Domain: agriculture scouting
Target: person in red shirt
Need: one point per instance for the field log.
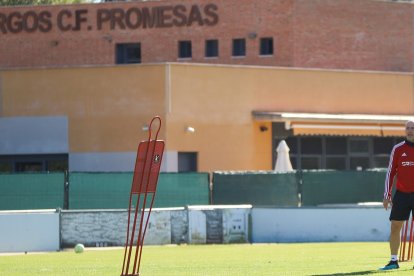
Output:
(401, 167)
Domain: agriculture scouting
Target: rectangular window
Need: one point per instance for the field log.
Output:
(359, 146)
(336, 163)
(336, 145)
(359, 163)
(211, 48)
(187, 161)
(29, 166)
(184, 49)
(128, 53)
(381, 161)
(383, 145)
(311, 145)
(239, 47)
(311, 163)
(6, 167)
(266, 46)
(34, 163)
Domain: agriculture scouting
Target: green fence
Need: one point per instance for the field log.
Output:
(335, 187)
(111, 190)
(31, 191)
(181, 189)
(99, 190)
(256, 188)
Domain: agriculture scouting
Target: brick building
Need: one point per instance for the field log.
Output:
(78, 83)
(341, 34)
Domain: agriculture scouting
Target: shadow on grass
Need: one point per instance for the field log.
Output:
(357, 273)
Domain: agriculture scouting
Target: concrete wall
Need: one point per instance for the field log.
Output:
(39, 231)
(320, 224)
(29, 231)
(109, 228)
(225, 224)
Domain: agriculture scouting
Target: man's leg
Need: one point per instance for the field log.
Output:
(395, 241)
(395, 236)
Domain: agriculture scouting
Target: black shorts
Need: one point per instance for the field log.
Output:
(402, 205)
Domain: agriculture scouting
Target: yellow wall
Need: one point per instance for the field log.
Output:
(218, 100)
(107, 106)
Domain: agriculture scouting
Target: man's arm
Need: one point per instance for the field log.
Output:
(389, 179)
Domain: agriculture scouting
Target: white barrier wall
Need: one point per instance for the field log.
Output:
(218, 224)
(320, 224)
(108, 227)
(28, 231)
(39, 230)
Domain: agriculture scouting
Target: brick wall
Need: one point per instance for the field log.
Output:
(343, 34)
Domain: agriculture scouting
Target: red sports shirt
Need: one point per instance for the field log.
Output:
(402, 166)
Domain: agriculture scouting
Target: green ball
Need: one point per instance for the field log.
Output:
(79, 248)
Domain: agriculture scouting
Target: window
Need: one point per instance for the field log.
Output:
(266, 46)
(6, 167)
(383, 145)
(336, 163)
(311, 145)
(359, 146)
(33, 163)
(184, 49)
(359, 163)
(336, 145)
(381, 161)
(336, 152)
(128, 53)
(382, 150)
(239, 47)
(211, 48)
(311, 163)
(187, 161)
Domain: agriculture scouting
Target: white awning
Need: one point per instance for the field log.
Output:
(338, 124)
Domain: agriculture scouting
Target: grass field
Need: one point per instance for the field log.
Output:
(241, 259)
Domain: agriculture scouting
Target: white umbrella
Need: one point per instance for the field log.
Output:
(283, 161)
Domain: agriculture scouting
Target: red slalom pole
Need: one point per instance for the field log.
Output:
(144, 186)
(410, 242)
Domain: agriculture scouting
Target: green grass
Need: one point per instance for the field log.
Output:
(242, 259)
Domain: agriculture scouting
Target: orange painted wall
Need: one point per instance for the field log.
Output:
(218, 100)
(107, 106)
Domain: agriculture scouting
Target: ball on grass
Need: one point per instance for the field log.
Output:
(79, 248)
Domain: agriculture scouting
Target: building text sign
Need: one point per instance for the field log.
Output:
(132, 18)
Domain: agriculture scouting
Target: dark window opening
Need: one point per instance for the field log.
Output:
(336, 163)
(359, 146)
(311, 162)
(187, 161)
(33, 163)
(383, 145)
(335, 152)
(311, 145)
(184, 49)
(266, 46)
(211, 48)
(239, 47)
(128, 53)
(336, 145)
